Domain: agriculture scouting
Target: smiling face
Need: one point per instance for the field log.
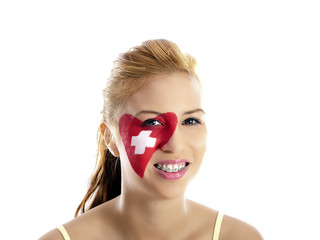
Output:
(161, 135)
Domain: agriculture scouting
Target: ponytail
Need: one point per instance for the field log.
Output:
(105, 183)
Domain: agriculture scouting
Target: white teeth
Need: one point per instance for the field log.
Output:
(171, 167)
(175, 168)
(181, 166)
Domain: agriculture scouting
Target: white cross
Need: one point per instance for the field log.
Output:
(142, 141)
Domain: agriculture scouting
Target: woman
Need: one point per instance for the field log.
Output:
(151, 143)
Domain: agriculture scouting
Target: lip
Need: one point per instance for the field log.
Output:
(172, 175)
(173, 161)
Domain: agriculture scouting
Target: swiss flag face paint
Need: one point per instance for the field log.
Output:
(141, 140)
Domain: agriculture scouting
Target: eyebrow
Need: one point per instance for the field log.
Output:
(158, 113)
(147, 112)
(194, 111)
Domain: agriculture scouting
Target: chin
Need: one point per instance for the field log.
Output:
(163, 189)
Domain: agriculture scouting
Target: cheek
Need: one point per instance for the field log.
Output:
(121, 148)
(140, 141)
(198, 142)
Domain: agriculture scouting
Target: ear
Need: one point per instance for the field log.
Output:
(109, 139)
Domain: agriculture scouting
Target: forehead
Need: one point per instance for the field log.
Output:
(177, 92)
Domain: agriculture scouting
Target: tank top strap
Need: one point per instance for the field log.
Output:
(217, 226)
(64, 232)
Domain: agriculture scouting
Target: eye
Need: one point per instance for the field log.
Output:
(151, 122)
(191, 121)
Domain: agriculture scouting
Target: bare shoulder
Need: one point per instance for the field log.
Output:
(52, 235)
(231, 228)
(200, 208)
(201, 220)
(203, 212)
(91, 225)
(236, 229)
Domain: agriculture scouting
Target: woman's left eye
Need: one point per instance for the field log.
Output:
(151, 122)
(191, 121)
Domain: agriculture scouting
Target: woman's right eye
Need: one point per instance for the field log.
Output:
(151, 122)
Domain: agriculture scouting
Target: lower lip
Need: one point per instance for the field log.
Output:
(172, 175)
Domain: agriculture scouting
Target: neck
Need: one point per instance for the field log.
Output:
(144, 215)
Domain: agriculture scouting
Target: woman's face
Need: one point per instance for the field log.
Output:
(161, 136)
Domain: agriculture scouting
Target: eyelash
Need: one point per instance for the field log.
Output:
(195, 121)
(151, 122)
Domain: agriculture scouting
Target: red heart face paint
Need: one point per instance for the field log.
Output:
(141, 140)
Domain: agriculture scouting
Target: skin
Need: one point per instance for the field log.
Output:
(153, 206)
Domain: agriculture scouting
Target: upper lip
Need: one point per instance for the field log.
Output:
(172, 161)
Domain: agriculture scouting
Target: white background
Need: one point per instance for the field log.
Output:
(258, 60)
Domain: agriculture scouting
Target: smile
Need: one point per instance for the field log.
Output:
(171, 169)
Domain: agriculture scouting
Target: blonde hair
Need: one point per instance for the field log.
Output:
(130, 72)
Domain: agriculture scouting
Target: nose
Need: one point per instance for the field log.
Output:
(175, 143)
